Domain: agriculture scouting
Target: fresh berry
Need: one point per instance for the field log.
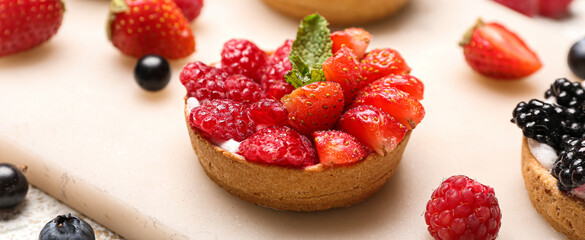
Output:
(343, 68)
(277, 66)
(315, 106)
(554, 8)
(141, 27)
(569, 168)
(567, 94)
(240, 56)
(526, 7)
(373, 127)
(338, 148)
(576, 58)
(548, 123)
(405, 82)
(268, 112)
(152, 72)
(67, 227)
(28, 23)
(398, 104)
(277, 90)
(494, 51)
(280, 146)
(281, 53)
(379, 63)
(242, 89)
(13, 186)
(221, 120)
(356, 39)
(204, 82)
(190, 8)
(462, 208)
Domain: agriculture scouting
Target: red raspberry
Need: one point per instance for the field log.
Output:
(222, 119)
(462, 208)
(203, 82)
(268, 112)
(275, 73)
(242, 89)
(278, 90)
(281, 146)
(281, 53)
(241, 56)
(190, 8)
(278, 66)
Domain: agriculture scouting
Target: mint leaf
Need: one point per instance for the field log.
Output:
(309, 51)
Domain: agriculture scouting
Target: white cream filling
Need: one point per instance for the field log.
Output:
(547, 156)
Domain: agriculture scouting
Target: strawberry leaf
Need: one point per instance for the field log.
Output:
(309, 51)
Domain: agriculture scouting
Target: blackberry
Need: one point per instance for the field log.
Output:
(569, 168)
(568, 94)
(548, 123)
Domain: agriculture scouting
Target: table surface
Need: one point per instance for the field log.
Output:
(94, 140)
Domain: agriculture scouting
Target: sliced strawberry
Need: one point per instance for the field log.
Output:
(338, 148)
(526, 7)
(343, 68)
(554, 8)
(396, 103)
(356, 39)
(379, 63)
(405, 82)
(315, 106)
(494, 51)
(373, 127)
(159, 27)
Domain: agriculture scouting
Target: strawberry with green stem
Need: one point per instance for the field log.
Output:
(494, 51)
(141, 27)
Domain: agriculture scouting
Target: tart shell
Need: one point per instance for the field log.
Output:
(311, 189)
(339, 12)
(565, 213)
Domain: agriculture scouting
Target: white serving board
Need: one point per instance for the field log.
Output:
(72, 112)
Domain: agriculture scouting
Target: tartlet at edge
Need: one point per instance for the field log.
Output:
(339, 12)
(314, 188)
(565, 213)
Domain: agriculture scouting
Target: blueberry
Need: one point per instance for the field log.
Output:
(576, 58)
(67, 227)
(152, 72)
(13, 186)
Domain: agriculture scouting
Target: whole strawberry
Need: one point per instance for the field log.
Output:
(140, 27)
(25, 24)
(494, 51)
(462, 208)
(313, 107)
(190, 8)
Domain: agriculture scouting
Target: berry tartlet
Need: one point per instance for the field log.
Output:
(317, 124)
(553, 155)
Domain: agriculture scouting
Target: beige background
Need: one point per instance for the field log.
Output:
(92, 138)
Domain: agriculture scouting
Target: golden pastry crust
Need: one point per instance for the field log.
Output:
(565, 213)
(339, 12)
(311, 189)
